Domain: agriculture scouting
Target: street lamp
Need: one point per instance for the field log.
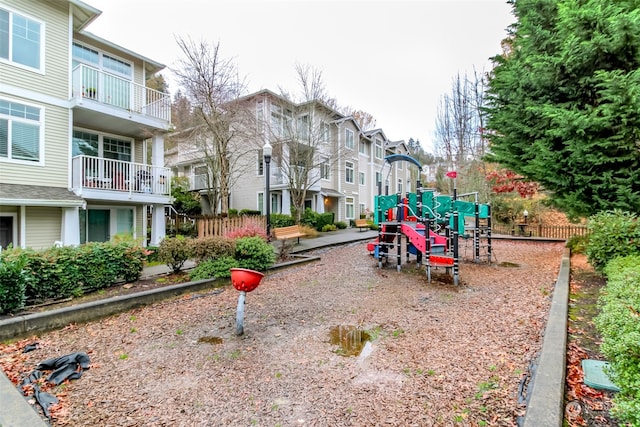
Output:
(526, 215)
(267, 150)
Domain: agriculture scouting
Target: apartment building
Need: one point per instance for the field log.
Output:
(314, 147)
(81, 136)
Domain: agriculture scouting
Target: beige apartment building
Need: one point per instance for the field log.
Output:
(81, 136)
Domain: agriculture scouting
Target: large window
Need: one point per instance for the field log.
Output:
(260, 162)
(348, 138)
(378, 148)
(97, 145)
(361, 178)
(20, 132)
(281, 121)
(325, 170)
(21, 39)
(303, 127)
(362, 147)
(326, 132)
(348, 173)
(350, 210)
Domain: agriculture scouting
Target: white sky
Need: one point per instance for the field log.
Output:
(392, 59)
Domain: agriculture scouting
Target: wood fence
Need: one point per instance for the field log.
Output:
(560, 232)
(208, 227)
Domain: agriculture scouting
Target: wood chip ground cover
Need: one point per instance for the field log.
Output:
(440, 356)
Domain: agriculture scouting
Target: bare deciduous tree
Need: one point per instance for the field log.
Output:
(213, 86)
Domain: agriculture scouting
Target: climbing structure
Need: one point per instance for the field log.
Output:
(407, 220)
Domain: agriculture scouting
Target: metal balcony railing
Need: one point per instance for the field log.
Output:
(91, 83)
(97, 173)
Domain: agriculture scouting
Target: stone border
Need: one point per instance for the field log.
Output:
(545, 405)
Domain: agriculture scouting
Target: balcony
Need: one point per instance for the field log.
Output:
(95, 177)
(129, 107)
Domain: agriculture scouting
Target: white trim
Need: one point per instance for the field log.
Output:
(41, 202)
(23, 227)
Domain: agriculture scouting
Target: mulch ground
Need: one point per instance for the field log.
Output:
(439, 355)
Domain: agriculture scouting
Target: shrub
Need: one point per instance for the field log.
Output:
(174, 252)
(281, 220)
(373, 226)
(254, 253)
(250, 212)
(152, 254)
(612, 234)
(309, 231)
(578, 244)
(341, 225)
(249, 230)
(13, 284)
(214, 268)
(211, 248)
(233, 213)
(328, 227)
(620, 329)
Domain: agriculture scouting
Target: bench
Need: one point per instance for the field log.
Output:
(362, 223)
(291, 232)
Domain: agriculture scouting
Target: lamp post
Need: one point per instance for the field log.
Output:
(267, 151)
(525, 214)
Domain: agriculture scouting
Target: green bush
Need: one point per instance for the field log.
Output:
(174, 252)
(211, 248)
(13, 284)
(618, 323)
(281, 220)
(233, 213)
(316, 220)
(612, 234)
(578, 244)
(329, 227)
(250, 212)
(341, 225)
(254, 253)
(214, 268)
(152, 254)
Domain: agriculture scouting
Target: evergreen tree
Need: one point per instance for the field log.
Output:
(565, 102)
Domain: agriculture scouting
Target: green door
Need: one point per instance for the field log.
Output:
(98, 225)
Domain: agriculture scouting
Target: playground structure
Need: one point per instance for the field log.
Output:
(447, 219)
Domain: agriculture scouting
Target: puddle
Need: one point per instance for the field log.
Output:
(508, 264)
(210, 340)
(350, 340)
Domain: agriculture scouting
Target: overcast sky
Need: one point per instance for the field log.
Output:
(392, 59)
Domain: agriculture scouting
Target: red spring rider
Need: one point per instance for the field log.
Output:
(244, 280)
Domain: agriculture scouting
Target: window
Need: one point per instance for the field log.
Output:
(280, 121)
(260, 162)
(303, 127)
(361, 178)
(20, 39)
(349, 208)
(325, 132)
(348, 138)
(325, 170)
(362, 147)
(378, 148)
(260, 116)
(116, 149)
(97, 145)
(261, 206)
(362, 209)
(20, 132)
(348, 173)
(378, 177)
(400, 186)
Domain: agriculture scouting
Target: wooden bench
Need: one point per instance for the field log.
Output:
(362, 223)
(291, 232)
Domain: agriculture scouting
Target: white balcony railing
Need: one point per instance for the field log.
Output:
(91, 83)
(97, 173)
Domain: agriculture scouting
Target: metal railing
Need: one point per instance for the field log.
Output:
(117, 175)
(91, 83)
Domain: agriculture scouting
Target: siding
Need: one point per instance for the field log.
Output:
(43, 226)
(55, 81)
(55, 171)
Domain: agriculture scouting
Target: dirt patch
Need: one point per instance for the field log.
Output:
(439, 354)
